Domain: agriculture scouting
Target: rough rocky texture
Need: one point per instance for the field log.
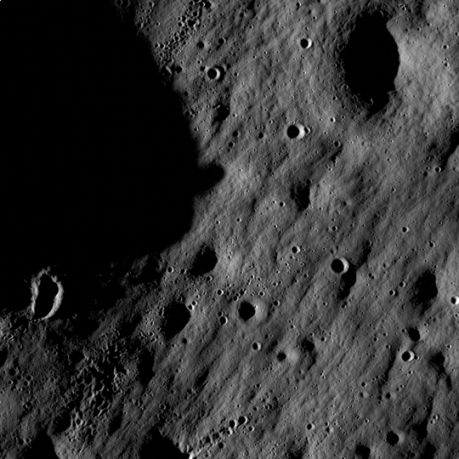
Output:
(231, 229)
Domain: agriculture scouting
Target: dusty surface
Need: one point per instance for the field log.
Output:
(232, 230)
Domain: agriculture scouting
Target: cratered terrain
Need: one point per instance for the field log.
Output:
(230, 229)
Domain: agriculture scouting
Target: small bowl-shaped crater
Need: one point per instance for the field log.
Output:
(339, 265)
(214, 73)
(295, 131)
(392, 438)
(407, 356)
(306, 43)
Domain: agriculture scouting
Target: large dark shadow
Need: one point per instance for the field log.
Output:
(371, 61)
(98, 164)
(155, 446)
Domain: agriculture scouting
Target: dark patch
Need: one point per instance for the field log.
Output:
(420, 429)
(363, 255)
(309, 354)
(391, 359)
(145, 367)
(295, 453)
(281, 356)
(124, 5)
(127, 326)
(221, 113)
(362, 452)
(347, 281)
(437, 361)
(413, 334)
(425, 290)
(155, 446)
(453, 144)
(3, 356)
(82, 327)
(60, 423)
(42, 446)
(251, 5)
(75, 357)
(212, 73)
(115, 422)
(246, 310)
(337, 266)
(47, 291)
(169, 380)
(204, 262)
(406, 356)
(300, 195)
(271, 345)
(176, 317)
(307, 346)
(392, 438)
(304, 43)
(201, 379)
(293, 131)
(108, 171)
(445, 147)
(428, 451)
(208, 177)
(146, 270)
(371, 61)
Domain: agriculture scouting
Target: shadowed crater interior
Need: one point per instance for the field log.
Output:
(246, 311)
(155, 446)
(299, 193)
(176, 317)
(371, 61)
(424, 291)
(362, 452)
(98, 162)
(204, 262)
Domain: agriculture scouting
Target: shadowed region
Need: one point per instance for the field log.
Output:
(425, 287)
(424, 291)
(428, 452)
(246, 311)
(204, 262)
(371, 61)
(156, 446)
(42, 446)
(176, 317)
(362, 452)
(300, 194)
(347, 281)
(145, 367)
(98, 162)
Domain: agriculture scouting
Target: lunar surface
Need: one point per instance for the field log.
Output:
(231, 229)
